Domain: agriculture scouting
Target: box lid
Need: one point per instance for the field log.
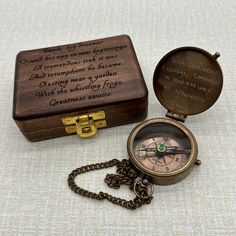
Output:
(70, 78)
(188, 81)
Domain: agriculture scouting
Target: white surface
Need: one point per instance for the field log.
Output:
(34, 196)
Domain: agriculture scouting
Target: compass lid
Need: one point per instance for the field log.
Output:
(188, 80)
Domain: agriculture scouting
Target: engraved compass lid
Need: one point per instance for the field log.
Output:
(188, 81)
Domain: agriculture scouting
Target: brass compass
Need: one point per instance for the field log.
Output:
(163, 151)
(186, 81)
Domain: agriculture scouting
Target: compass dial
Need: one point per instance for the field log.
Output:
(162, 149)
(162, 154)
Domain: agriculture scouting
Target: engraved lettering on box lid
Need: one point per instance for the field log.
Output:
(77, 76)
(188, 81)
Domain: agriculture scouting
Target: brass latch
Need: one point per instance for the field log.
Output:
(85, 125)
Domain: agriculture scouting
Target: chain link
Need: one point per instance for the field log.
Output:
(126, 175)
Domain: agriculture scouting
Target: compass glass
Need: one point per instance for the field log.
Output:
(162, 148)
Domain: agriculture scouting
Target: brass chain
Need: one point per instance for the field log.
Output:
(126, 175)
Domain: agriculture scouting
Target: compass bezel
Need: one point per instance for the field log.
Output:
(161, 177)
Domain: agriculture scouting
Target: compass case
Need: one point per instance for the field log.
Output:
(187, 81)
(78, 88)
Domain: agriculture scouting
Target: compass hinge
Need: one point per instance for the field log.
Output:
(175, 116)
(85, 125)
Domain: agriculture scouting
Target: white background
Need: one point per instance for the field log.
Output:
(34, 196)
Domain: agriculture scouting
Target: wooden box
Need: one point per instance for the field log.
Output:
(78, 88)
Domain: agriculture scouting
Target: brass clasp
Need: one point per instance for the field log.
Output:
(85, 125)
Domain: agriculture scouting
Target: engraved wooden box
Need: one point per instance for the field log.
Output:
(78, 88)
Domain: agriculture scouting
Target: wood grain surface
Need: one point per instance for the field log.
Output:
(73, 79)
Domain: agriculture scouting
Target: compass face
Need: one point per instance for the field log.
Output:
(162, 148)
(162, 153)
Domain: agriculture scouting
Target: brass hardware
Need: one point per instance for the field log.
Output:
(175, 116)
(216, 55)
(85, 125)
(125, 174)
(162, 178)
(198, 162)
